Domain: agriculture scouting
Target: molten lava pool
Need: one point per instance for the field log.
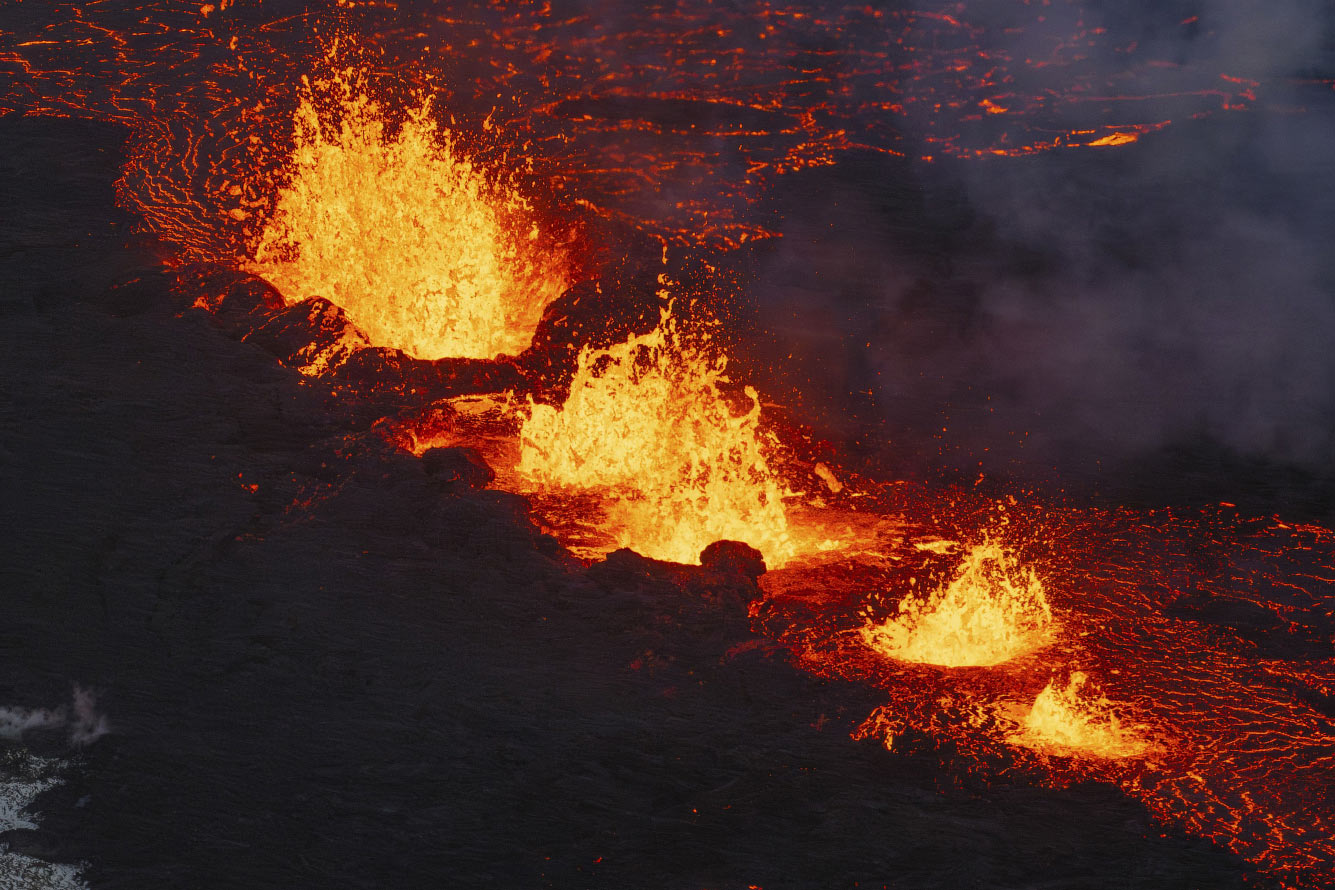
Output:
(1188, 662)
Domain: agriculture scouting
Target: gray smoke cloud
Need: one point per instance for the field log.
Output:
(1191, 287)
(1094, 305)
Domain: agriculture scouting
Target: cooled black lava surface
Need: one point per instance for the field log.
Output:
(322, 670)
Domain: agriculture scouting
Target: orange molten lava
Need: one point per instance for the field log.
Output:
(1120, 137)
(990, 612)
(648, 423)
(422, 249)
(1078, 719)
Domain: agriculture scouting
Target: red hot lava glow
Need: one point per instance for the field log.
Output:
(1184, 659)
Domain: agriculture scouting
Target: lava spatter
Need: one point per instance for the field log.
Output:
(424, 250)
(1075, 718)
(686, 142)
(1203, 682)
(992, 610)
(648, 423)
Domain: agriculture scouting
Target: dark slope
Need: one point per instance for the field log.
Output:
(354, 675)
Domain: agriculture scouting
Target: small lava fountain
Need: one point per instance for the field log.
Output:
(1080, 720)
(991, 611)
(653, 424)
(424, 250)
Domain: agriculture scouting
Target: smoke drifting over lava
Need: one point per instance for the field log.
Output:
(1102, 305)
(1019, 236)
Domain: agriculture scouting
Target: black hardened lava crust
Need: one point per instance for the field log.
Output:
(324, 667)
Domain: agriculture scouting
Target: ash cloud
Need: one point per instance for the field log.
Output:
(1091, 307)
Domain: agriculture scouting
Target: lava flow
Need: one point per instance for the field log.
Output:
(1209, 637)
(680, 117)
(680, 457)
(424, 251)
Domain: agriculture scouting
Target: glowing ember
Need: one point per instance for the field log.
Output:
(992, 611)
(648, 422)
(422, 249)
(1077, 718)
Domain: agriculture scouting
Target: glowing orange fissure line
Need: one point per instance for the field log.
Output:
(715, 481)
(73, 102)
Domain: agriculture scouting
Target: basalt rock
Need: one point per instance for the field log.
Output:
(314, 331)
(720, 592)
(733, 558)
(382, 371)
(414, 430)
(627, 570)
(316, 336)
(138, 294)
(458, 467)
(238, 301)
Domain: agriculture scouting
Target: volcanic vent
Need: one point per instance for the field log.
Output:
(649, 424)
(425, 250)
(1181, 659)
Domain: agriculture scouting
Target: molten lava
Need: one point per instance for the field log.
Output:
(1077, 719)
(423, 249)
(649, 422)
(682, 120)
(990, 612)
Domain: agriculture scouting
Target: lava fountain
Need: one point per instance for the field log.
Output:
(425, 251)
(1077, 718)
(654, 425)
(991, 611)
